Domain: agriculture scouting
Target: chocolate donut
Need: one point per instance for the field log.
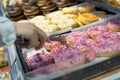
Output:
(14, 10)
(21, 17)
(32, 11)
(41, 3)
(29, 3)
(50, 7)
(62, 3)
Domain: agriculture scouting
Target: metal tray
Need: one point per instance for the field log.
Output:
(86, 71)
(70, 29)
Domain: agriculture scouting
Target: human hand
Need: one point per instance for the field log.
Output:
(30, 32)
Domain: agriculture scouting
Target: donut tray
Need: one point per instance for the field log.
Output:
(103, 22)
(71, 29)
(82, 72)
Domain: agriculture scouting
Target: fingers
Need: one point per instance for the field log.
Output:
(34, 40)
(42, 35)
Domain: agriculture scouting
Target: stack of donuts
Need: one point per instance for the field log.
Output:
(31, 8)
(15, 12)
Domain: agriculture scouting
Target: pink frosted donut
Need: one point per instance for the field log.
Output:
(105, 35)
(116, 47)
(68, 57)
(81, 47)
(46, 71)
(102, 28)
(114, 25)
(92, 31)
(115, 36)
(96, 30)
(51, 45)
(38, 60)
(74, 36)
(90, 56)
(103, 50)
(110, 51)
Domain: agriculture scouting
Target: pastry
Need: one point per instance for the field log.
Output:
(54, 14)
(94, 31)
(41, 3)
(72, 23)
(115, 2)
(38, 60)
(37, 18)
(49, 7)
(63, 26)
(48, 28)
(49, 46)
(72, 57)
(15, 12)
(87, 18)
(108, 52)
(73, 37)
(79, 22)
(29, 3)
(114, 25)
(71, 16)
(51, 69)
(91, 56)
(70, 10)
(32, 11)
(62, 3)
(87, 7)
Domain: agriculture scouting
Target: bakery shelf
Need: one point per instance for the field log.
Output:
(87, 71)
(19, 70)
(84, 72)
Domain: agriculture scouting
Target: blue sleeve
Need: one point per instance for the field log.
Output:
(7, 31)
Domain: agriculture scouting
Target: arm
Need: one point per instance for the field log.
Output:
(7, 31)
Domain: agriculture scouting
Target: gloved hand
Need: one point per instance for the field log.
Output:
(7, 31)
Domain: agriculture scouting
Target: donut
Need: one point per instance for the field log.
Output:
(87, 18)
(50, 7)
(84, 8)
(94, 31)
(14, 10)
(32, 11)
(114, 25)
(73, 37)
(49, 46)
(38, 60)
(67, 57)
(63, 3)
(37, 18)
(107, 52)
(41, 3)
(70, 10)
(29, 3)
(17, 18)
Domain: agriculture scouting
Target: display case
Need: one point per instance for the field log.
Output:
(19, 69)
